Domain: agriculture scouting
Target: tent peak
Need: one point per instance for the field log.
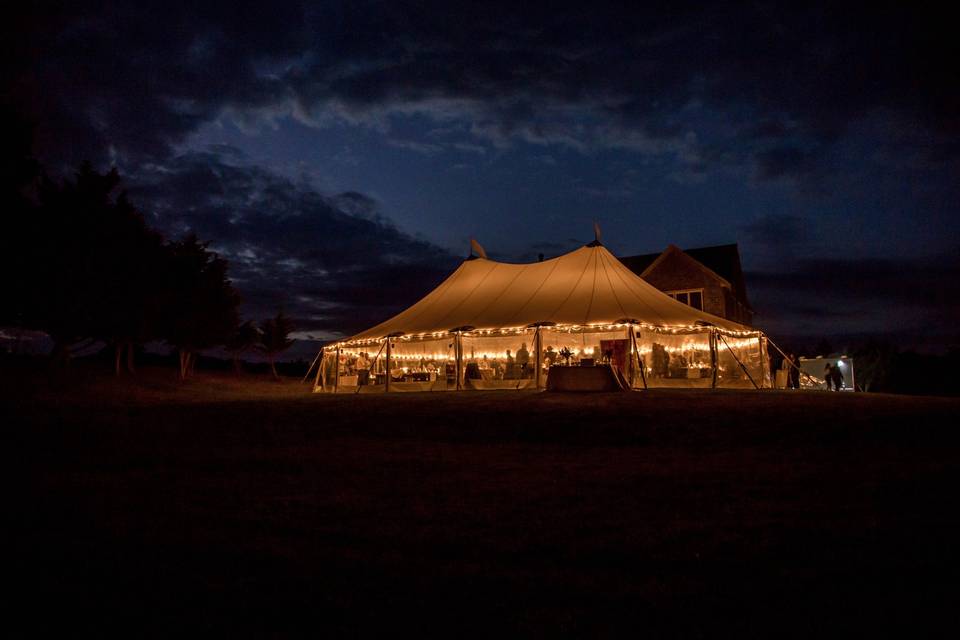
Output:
(596, 236)
(476, 250)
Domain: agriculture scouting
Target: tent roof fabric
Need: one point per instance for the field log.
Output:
(584, 287)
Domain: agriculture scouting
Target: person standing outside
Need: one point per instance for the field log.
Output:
(837, 377)
(786, 366)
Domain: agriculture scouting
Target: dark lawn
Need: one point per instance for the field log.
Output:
(254, 508)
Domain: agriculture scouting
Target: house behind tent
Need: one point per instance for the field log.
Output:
(707, 278)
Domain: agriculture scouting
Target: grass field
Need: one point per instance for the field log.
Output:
(251, 508)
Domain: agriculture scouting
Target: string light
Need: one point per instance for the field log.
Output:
(748, 335)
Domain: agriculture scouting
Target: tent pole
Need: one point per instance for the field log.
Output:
(765, 362)
(310, 368)
(630, 368)
(802, 372)
(373, 366)
(458, 354)
(714, 360)
(742, 366)
(316, 382)
(389, 374)
(336, 376)
(538, 345)
(640, 363)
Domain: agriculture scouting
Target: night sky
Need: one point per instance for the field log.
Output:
(341, 155)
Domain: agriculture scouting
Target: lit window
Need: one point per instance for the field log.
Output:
(690, 297)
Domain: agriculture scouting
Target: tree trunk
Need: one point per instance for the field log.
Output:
(117, 356)
(273, 369)
(184, 363)
(130, 357)
(236, 364)
(60, 356)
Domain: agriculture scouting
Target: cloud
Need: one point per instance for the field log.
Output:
(785, 161)
(776, 230)
(825, 95)
(424, 148)
(771, 87)
(776, 239)
(916, 298)
(331, 261)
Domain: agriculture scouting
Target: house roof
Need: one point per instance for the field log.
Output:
(724, 260)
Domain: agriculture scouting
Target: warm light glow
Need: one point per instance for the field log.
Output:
(736, 339)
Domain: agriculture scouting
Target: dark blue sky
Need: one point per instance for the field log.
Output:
(342, 154)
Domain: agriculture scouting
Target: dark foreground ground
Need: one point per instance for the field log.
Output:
(255, 509)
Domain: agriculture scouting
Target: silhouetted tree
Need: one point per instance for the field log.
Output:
(83, 266)
(824, 348)
(19, 177)
(200, 303)
(874, 363)
(95, 269)
(275, 339)
(246, 337)
(129, 285)
(72, 262)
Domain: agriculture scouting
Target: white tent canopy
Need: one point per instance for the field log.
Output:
(499, 325)
(584, 287)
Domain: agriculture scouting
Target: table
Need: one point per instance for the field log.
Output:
(596, 378)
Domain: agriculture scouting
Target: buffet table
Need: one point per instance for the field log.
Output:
(596, 378)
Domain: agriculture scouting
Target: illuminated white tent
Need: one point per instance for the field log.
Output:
(498, 325)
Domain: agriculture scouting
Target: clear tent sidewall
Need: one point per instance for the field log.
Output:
(520, 358)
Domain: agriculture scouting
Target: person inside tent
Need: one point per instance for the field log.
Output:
(549, 357)
(523, 360)
(363, 369)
